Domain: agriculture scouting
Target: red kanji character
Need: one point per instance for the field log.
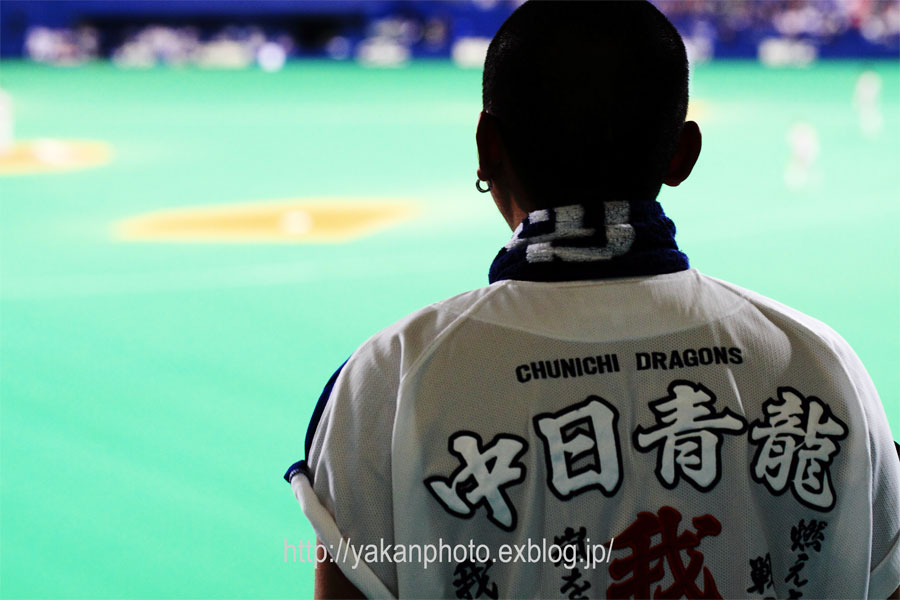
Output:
(646, 564)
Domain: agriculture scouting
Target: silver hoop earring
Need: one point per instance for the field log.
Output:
(479, 188)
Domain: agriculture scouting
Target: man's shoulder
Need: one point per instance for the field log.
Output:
(787, 318)
(404, 342)
(408, 338)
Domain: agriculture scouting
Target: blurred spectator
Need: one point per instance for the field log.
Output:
(61, 46)
(388, 33)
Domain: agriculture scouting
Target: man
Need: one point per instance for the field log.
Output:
(602, 420)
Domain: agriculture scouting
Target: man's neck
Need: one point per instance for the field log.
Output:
(599, 240)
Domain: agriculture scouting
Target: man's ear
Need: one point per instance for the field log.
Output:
(685, 155)
(490, 151)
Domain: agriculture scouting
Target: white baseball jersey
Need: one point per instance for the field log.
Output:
(666, 436)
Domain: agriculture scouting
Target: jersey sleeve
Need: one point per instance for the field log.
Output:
(885, 493)
(345, 485)
(885, 577)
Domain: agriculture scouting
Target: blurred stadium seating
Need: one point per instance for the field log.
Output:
(388, 32)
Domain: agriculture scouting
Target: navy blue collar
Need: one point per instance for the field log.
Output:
(601, 240)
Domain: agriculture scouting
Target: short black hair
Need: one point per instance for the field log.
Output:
(590, 97)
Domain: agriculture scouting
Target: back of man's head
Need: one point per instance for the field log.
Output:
(590, 97)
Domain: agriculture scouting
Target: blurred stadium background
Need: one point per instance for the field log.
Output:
(207, 205)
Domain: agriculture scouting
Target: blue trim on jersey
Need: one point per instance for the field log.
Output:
(301, 466)
(298, 467)
(320, 408)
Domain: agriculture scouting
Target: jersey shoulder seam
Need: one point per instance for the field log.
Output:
(443, 332)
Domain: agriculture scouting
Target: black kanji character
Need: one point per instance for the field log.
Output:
(810, 535)
(571, 582)
(760, 574)
(794, 573)
(570, 537)
(469, 575)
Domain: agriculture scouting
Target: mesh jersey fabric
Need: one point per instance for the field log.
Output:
(725, 444)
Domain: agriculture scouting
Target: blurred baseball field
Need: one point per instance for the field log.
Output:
(187, 255)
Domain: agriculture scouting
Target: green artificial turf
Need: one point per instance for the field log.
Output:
(153, 393)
